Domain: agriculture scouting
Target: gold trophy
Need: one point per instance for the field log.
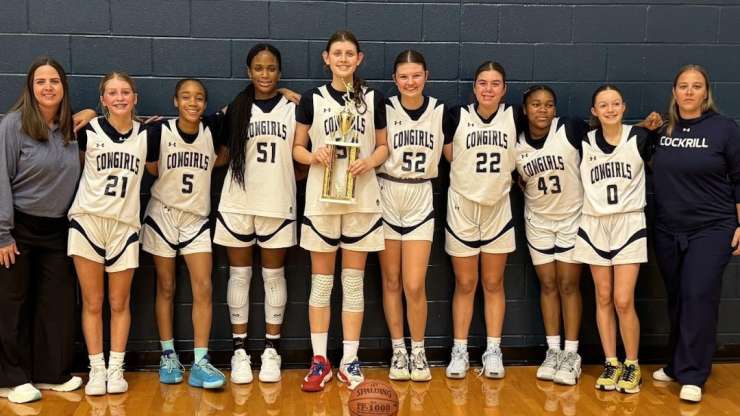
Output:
(339, 184)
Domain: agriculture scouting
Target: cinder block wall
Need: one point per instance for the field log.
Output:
(572, 45)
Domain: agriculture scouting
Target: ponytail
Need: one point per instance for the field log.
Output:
(238, 116)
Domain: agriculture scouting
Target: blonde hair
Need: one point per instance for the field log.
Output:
(707, 105)
(120, 76)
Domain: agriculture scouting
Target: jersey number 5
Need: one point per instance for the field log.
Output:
(112, 185)
(187, 183)
(487, 162)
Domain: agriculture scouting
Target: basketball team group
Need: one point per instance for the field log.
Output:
(70, 188)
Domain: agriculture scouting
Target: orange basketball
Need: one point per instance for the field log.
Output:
(373, 398)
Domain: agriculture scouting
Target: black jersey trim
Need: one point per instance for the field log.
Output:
(551, 250)
(406, 230)
(157, 229)
(77, 226)
(205, 227)
(263, 238)
(131, 240)
(351, 240)
(175, 246)
(480, 243)
(241, 237)
(328, 240)
(608, 255)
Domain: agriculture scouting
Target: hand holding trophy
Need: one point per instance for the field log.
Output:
(339, 183)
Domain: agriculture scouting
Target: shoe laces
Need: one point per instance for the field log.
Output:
(317, 368)
(419, 360)
(552, 358)
(459, 355)
(609, 370)
(242, 356)
(208, 368)
(630, 373)
(269, 354)
(170, 362)
(97, 371)
(568, 361)
(353, 368)
(489, 359)
(115, 371)
(399, 360)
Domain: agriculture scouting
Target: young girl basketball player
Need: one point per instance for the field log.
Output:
(415, 140)
(548, 159)
(258, 205)
(356, 228)
(104, 223)
(612, 234)
(479, 226)
(176, 220)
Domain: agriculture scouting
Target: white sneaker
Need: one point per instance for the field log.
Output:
(690, 393)
(459, 363)
(569, 370)
(549, 367)
(72, 384)
(270, 370)
(241, 367)
(23, 393)
(350, 373)
(96, 382)
(116, 382)
(493, 365)
(420, 366)
(660, 375)
(399, 370)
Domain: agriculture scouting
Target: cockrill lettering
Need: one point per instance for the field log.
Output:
(684, 142)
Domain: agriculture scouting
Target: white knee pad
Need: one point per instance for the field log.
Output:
(237, 294)
(321, 285)
(276, 295)
(353, 299)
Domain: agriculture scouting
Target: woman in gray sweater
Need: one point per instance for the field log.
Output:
(39, 168)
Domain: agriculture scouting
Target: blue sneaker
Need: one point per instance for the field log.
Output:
(170, 369)
(204, 374)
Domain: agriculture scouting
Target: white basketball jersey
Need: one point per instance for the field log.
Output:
(269, 179)
(415, 146)
(551, 173)
(483, 155)
(325, 123)
(184, 180)
(111, 177)
(613, 182)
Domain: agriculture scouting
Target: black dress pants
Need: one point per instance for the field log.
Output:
(37, 305)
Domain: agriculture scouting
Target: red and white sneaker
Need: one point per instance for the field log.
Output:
(318, 375)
